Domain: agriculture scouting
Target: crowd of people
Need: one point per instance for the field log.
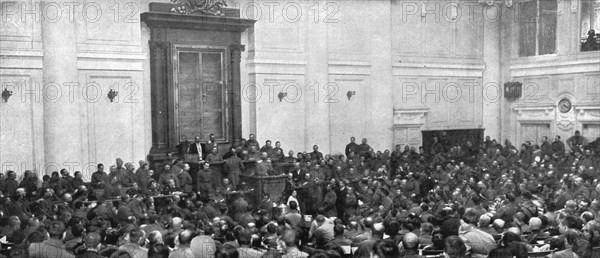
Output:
(444, 199)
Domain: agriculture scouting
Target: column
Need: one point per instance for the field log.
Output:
(492, 83)
(317, 76)
(62, 127)
(381, 134)
(236, 55)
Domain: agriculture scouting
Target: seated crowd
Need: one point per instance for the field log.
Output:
(447, 199)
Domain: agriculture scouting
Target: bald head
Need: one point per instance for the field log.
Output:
(535, 223)
(498, 225)
(484, 221)
(176, 222)
(92, 240)
(368, 222)
(185, 237)
(410, 241)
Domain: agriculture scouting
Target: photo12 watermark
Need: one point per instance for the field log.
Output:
(71, 92)
(25, 12)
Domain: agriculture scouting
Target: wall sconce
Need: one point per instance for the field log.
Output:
(281, 95)
(112, 94)
(453, 11)
(6, 94)
(507, 3)
(350, 94)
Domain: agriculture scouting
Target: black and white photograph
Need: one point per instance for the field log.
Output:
(300, 128)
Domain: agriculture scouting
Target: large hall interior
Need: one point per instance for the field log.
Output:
(302, 128)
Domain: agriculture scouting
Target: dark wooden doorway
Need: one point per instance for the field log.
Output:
(200, 94)
(195, 77)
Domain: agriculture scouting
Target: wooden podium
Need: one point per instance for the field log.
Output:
(263, 185)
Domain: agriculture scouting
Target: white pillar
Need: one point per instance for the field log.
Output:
(381, 103)
(62, 127)
(317, 76)
(492, 83)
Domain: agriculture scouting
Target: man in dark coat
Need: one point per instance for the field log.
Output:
(204, 181)
(329, 202)
(184, 146)
(340, 202)
(352, 146)
(234, 167)
(558, 147)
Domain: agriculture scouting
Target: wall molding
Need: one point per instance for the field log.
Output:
(587, 113)
(93, 143)
(439, 69)
(267, 66)
(532, 114)
(550, 65)
(349, 68)
(111, 61)
(408, 123)
(413, 117)
(21, 59)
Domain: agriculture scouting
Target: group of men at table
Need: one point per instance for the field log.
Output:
(176, 175)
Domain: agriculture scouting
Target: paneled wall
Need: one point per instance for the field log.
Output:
(368, 50)
(438, 67)
(21, 118)
(106, 50)
(381, 70)
(317, 52)
(547, 79)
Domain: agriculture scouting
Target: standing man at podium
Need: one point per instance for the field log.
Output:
(214, 156)
(234, 167)
(196, 148)
(263, 166)
(184, 146)
(252, 142)
(210, 145)
(204, 181)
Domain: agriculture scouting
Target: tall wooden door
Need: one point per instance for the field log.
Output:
(534, 132)
(591, 131)
(200, 92)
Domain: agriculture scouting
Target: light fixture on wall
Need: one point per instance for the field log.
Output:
(507, 3)
(112, 94)
(513, 90)
(350, 94)
(6, 94)
(453, 11)
(281, 95)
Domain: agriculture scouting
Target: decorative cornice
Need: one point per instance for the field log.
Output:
(586, 107)
(523, 109)
(584, 110)
(410, 117)
(196, 22)
(210, 7)
(548, 65)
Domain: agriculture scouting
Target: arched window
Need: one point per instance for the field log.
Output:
(590, 25)
(537, 27)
